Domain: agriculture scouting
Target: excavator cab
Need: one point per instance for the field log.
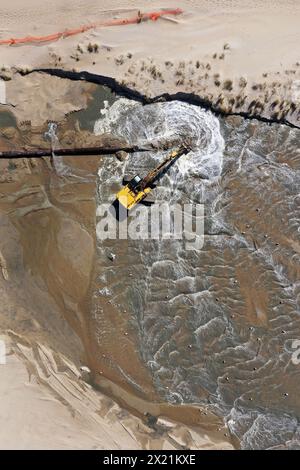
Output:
(135, 183)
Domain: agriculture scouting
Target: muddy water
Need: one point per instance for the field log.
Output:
(215, 325)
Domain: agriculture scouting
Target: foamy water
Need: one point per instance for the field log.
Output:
(169, 124)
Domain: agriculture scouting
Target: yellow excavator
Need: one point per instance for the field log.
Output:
(139, 188)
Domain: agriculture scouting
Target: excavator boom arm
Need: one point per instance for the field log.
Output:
(152, 175)
(135, 191)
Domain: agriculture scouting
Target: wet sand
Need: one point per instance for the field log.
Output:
(48, 262)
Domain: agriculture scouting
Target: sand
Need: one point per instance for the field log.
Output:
(47, 401)
(45, 404)
(47, 256)
(241, 57)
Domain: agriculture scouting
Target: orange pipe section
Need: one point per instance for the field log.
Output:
(155, 15)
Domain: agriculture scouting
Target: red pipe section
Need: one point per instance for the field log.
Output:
(141, 17)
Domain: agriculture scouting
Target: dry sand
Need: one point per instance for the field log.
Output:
(45, 404)
(241, 56)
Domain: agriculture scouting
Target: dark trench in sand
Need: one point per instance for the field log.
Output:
(190, 98)
(212, 327)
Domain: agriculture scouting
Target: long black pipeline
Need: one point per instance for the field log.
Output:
(39, 153)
